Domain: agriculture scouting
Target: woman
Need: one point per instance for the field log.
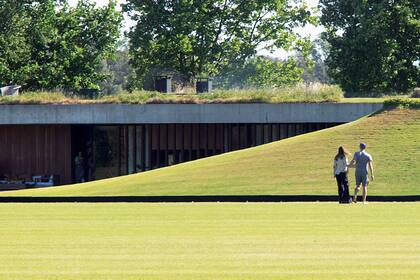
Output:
(341, 167)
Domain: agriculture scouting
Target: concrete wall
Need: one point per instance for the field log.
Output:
(185, 113)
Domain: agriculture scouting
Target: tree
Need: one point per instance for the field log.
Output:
(48, 44)
(202, 38)
(315, 70)
(14, 48)
(262, 72)
(117, 71)
(374, 44)
(87, 36)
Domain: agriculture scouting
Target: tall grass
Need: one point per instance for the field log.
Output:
(42, 97)
(299, 93)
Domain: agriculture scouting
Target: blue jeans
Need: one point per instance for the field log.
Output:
(343, 187)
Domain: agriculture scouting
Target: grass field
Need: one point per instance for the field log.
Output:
(298, 165)
(210, 241)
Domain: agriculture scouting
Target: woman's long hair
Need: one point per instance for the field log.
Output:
(342, 153)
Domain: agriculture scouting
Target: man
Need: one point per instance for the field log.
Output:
(79, 168)
(363, 163)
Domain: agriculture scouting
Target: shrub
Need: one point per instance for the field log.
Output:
(402, 103)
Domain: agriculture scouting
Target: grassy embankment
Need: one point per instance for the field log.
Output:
(210, 241)
(298, 165)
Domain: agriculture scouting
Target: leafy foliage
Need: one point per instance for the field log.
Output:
(15, 50)
(201, 38)
(315, 70)
(117, 71)
(48, 44)
(374, 44)
(403, 103)
(262, 72)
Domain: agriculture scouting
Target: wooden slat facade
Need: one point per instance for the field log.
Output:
(27, 150)
(151, 146)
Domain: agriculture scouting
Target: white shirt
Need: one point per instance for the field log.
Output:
(340, 165)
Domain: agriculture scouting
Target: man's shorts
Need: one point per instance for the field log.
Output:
(362, 179)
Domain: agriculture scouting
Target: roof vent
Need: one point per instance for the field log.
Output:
(12, 90)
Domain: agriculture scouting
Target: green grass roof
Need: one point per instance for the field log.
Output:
(300, 165)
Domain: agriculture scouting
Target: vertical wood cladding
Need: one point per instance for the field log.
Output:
(167, 144)
(28, 150)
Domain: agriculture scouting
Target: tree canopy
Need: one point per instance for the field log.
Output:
(374, 44)
(48, 44)
(262, 72)
(202, 38)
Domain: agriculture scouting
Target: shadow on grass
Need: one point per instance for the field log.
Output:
(209, 198)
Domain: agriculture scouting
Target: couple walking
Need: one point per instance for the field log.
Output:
(363, 162)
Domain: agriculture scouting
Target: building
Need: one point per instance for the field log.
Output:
(121, 139)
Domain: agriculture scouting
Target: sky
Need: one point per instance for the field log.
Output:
(308, 30)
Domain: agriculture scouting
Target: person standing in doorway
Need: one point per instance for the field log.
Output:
(363, 163)
(90, 163)
(79, 168)
(340, 173)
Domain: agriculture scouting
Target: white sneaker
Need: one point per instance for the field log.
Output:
(365, 202)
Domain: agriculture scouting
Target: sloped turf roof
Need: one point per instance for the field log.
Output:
(300, 165)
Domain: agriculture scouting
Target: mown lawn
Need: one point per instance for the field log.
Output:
(299, 165)
(210, 241)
